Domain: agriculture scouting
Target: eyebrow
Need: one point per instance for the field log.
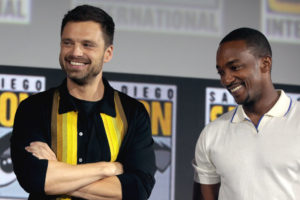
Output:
(229, 63)
(89, 41)
(65, 39)
(83, 41)
(232, 62)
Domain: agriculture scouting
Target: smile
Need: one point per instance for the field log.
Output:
(76, 63)
(235, 89)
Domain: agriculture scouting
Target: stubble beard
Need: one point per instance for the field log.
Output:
(85, 78)
(81, 79)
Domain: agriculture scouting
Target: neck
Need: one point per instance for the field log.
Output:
(91, 91)
(257, 109)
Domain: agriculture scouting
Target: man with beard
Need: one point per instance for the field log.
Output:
(83, 139)
(251, 152)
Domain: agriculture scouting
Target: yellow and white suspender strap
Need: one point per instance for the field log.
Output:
(64, 136)
(64, 131)
(115, 127)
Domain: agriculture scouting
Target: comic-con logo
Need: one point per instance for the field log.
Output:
(13, 90)
(218, 102)
(160, 102)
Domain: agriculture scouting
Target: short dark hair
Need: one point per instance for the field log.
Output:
(255, 40)
(91, 13)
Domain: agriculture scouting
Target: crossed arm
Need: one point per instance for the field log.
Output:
(89, 181)
(39, 172)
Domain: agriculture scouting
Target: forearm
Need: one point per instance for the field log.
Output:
(62, 178)
(105, 189)
(207, 192)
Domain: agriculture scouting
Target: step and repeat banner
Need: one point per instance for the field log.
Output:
(178, 107)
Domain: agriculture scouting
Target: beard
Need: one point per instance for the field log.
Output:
(80, 81)
(81, 77)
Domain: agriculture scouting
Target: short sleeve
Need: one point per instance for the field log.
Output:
(204, 169)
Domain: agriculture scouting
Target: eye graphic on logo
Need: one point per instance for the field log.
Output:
(163, 156)
(6, 168)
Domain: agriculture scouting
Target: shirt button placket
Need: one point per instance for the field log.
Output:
(80, 160)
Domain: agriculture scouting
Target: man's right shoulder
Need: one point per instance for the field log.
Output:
(224, 118)
(40, 98)
(218, 125)
(215, 130)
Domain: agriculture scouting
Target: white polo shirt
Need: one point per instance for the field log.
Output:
(252, 163)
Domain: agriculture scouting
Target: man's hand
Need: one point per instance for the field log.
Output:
(41, 150)
(117, 168)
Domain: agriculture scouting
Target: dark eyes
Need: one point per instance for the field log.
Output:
(234, 68)
(70, 43)
(89, 45)
(66, 42)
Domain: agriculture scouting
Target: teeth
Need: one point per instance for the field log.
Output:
(236, 88)
(76, 63)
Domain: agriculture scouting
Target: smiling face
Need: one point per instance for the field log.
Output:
(241, 72)
(83, 51)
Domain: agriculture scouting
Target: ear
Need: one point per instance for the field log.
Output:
(108, 54)
(266, 64)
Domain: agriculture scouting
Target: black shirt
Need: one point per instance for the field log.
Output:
(33, 123)
(91, 140)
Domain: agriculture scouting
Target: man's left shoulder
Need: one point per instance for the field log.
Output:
(126, 98)
(129, 102)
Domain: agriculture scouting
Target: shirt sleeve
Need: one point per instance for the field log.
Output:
(29, 170)
(204, 169)
(138, 158)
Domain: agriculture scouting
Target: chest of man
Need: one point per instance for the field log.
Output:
(259, 162)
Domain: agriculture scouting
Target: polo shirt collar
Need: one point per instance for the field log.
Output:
(105, 105)
(280, 109)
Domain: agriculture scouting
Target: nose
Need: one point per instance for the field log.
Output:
(77, 51)
(227, 78)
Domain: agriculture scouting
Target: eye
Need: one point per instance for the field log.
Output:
(235, 67)
(88, 44)
(66, 42)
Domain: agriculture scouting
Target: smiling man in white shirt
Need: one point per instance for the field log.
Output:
(251, 152)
